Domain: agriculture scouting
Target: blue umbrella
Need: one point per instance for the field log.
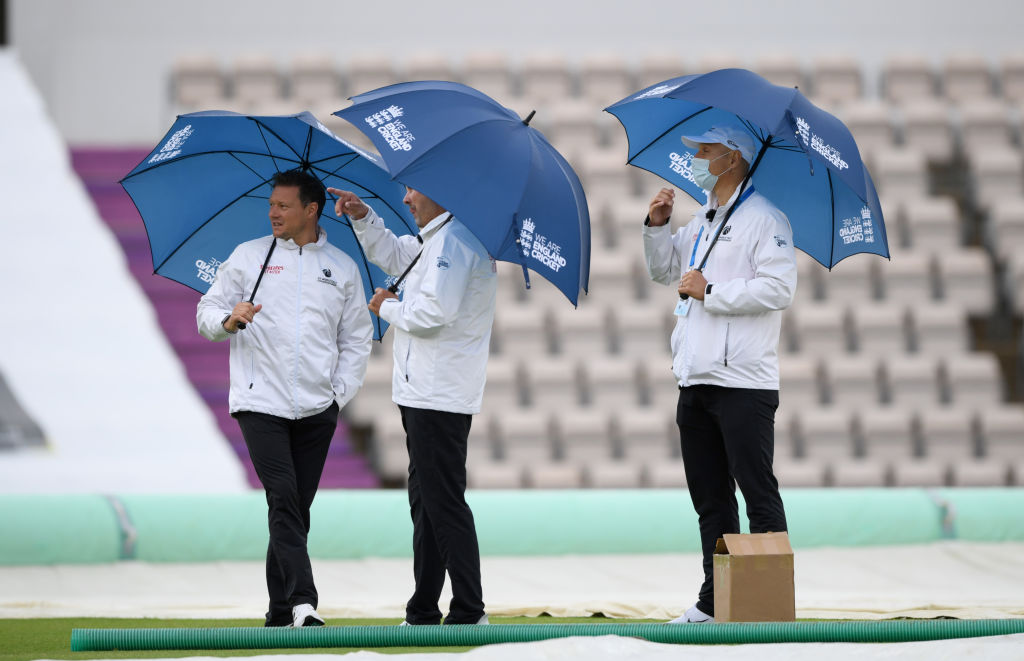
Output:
(808, 163)
(480, 161)
(205, 189)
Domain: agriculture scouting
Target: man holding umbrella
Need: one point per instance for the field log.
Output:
(725, 343)
(442, 338)
(297, 357)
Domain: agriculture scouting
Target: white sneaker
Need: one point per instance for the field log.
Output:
(693, 615)
(304, 615)
(483, 620)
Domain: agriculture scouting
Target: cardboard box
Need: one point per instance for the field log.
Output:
(754, 578)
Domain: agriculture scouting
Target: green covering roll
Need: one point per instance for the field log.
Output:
(58, 529)
(375, 523)
(887, 631)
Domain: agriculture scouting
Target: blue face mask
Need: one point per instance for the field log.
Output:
(702, 174)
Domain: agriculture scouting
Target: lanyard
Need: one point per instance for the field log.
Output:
(693, 255)
(728, 214)
(394, 288)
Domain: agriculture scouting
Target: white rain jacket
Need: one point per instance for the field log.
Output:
(443, 322)
(730, 338)
(310, 342)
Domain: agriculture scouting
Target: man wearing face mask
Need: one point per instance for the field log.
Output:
(725, 342)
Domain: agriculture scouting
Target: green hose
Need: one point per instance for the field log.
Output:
(886, 631)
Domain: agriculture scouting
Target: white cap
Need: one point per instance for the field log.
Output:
(732, 137)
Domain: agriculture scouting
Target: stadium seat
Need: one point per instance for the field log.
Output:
(966, 277)
(610, 382)
(656, 66)
(836, 79)
(524, 437)
(614, 278)
(947, 433)
(871, 124)
(494, 475)
(887, 433)
(503, 391)
(920, 473)
(932, 223)
(584, 332)
(605, 177)
(368, 71)
(795, 473)
(643, 330)
(821, 329)
(984, 124)
(313, 78)
(900, 172)
(912, 380)
(787, 442)
(665, 474)
(880, 329)
(554, 475)
(781, 69)
(553, 383)
(1011, 76)
(524, 331)
(940, 328)
(719, 59)
(605, 78)
(811, 274)
(389, 454)
(429, 66)
(1005, 227)
(198, 82)
(907, 77)
(255, 79)
(572, 125)
(852, 381)
(908, 278)
(584, 435)
(800, 380)
(853, 281)
(966, 77)
(489, 72)
(613, 475)
(1015, 280)
(373, 401)
(645, 434)
(1002, 431)
(545, 79)
(997, 173)
(859, 473)
(825, 433)
(660, 385)
(980, 473)
(927, 128)
(973, 379)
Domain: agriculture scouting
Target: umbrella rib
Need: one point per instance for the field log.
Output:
(202, 225)
(666, 132)
(832, 204)
(261, 126)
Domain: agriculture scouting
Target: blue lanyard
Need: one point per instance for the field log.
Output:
(696, 243)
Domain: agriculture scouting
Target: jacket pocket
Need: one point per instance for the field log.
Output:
(725, 350)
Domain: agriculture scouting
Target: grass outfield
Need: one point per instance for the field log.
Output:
(25, 639)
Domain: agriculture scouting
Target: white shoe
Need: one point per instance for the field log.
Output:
(483, 620)
(693, 615)
(304, 615)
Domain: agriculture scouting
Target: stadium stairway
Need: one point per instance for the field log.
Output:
(206, 363)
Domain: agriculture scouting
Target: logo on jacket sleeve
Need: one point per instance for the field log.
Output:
(780, 240)
(442, 262)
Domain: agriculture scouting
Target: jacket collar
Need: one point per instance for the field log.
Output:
(321, 239)
(435, 224)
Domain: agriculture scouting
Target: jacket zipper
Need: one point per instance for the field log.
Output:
(726, 356)
(298, 337)
(252, 369)
(408, 350)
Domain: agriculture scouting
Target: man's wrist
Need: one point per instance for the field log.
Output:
(224, 324)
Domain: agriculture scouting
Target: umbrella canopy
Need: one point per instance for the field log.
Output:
(480, 161)
(205, 189)
(808, 163)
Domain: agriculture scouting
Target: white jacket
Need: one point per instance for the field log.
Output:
(730, 338)
(309, 343)
(443, 322)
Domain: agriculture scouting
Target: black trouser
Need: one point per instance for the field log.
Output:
(728, 438)
(289, 457)
(444, 534)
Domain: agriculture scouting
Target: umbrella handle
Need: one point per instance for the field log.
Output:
(259, 278)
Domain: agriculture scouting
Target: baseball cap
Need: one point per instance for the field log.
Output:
(732, 137)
